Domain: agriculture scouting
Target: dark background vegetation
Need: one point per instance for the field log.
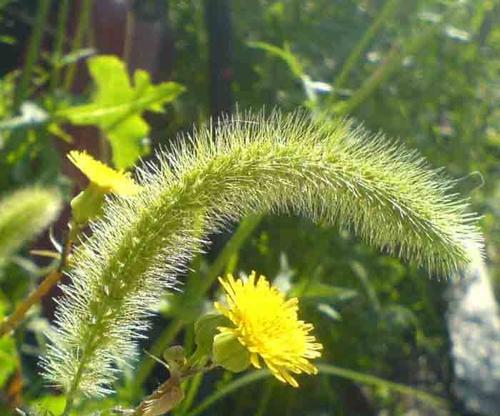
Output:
(423, 71)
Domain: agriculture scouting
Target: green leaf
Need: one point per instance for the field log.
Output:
(329, 311)
(52, 405)
(283, 53)
(205, 330)
(7, 358)
(316, 290)
(116, 106)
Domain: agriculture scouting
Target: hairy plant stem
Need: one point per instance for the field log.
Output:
(86, 353)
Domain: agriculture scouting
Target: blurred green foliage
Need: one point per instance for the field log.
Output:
(425, 71)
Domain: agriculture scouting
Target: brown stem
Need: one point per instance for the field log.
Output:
(13, 320)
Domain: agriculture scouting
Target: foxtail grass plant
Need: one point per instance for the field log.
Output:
(23, 215)
(330, 171)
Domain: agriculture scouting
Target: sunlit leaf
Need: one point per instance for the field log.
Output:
(117, 106)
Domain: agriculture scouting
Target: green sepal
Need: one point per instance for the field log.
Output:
(205, 329)
(229, 353)
(87, 205)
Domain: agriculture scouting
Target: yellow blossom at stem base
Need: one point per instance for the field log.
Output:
(267, 325)
(102, 176)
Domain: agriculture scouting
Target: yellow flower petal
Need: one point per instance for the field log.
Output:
(267, 325)
(110, 180)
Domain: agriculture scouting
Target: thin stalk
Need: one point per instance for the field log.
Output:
(391, 63)
(83, 26)
(163, 341)
(368, 379)
(244, 230)
(70, 396)
(240, 382)
(12, 321)
(33, 53)
(265, 397)
(129, 35)
(388, 9)
(325, 369)
(62, 21)
(377, 78)
(194, 386)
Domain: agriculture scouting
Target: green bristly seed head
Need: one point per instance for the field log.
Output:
(23, 215)
(329, 171)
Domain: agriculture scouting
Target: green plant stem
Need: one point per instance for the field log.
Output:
(390, 64)
(13, 320)
(388, 9)
(326, 369)
(70, 396)
(377, 78)
(234, 385)
(194, 386)
(368, 379)
(129, 35)
(62, 20)
(265, 397)
(33, 53)
(244, 230)
(83, 26)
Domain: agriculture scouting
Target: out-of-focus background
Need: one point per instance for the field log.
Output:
(423, 71)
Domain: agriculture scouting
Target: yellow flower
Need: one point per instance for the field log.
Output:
(104, 177)
(267, 325)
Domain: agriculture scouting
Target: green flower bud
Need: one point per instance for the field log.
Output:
(205, 329)
(229, 353)
(87, 205)
(175, 357)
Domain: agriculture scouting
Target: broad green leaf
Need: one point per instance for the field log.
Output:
(117, 106)
(52, 405)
